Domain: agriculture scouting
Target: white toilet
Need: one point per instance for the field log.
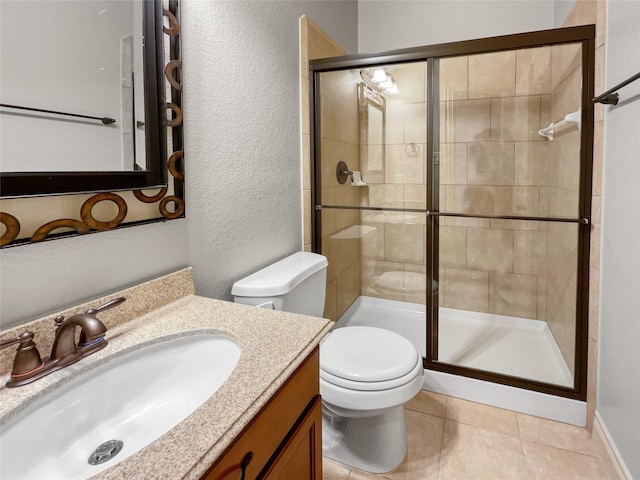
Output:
(367, 374)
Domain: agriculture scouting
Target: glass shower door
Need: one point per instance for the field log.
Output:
(448, 209)
(373, 220)
(506, 225)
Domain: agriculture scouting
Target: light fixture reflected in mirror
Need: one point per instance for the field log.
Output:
(392, 90)
(379, 76)
(380, 80)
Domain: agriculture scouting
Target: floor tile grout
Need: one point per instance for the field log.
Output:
(444, 420)
(524, 463)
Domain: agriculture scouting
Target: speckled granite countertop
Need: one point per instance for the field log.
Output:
(273, 345)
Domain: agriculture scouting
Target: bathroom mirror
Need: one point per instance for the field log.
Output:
(82, 97)
(372, 113)
(40, 205)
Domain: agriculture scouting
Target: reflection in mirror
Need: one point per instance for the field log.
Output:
(82, 88)
(82, 59)
(75, 202)
(78, 58)
(375, 129)
(372, 112)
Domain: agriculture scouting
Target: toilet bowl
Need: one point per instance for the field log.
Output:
(367, 374)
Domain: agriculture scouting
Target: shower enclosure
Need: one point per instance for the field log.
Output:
(452, 197)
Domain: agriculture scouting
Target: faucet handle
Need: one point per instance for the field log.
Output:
(12, 341)
(58, 321)
(109, 304)
(27, 356)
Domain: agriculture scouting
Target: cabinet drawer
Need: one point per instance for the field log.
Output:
(271, 425)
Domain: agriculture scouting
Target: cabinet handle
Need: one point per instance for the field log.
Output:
(245, 463)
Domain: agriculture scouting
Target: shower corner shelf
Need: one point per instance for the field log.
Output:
(569, 118)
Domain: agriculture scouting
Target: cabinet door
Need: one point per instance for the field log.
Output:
(263, 438)
(301, 456)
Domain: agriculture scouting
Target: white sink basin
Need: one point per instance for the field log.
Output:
(135, 399)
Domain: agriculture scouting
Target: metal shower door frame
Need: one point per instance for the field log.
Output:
(584, 35)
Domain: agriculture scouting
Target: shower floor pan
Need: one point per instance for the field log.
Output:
(508, 345)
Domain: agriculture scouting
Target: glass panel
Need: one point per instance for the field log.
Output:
(378, 131)
(340, 136)
(379, 256)
(508, 298)
(492, 107)
(341, 244)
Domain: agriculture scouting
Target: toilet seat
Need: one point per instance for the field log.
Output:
(368, 359)
(373, 386)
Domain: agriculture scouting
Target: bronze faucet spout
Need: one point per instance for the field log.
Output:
(65, 342)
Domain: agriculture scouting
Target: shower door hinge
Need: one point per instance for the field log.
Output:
(318, 208)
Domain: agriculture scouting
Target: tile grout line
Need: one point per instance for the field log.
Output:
(524, 455)
(444, 420)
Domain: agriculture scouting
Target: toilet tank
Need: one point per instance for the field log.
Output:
(294, 284)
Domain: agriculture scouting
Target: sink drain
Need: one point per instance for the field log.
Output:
(105, 452)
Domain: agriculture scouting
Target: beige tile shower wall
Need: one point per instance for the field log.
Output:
(314, 43)
(393, 244)
(339, 142)
(493, 162)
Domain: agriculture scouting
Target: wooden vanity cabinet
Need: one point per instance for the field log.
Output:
(284, 440)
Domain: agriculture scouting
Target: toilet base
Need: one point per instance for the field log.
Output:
(376, 444)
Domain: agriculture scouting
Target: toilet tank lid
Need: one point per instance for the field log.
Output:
(281, 277)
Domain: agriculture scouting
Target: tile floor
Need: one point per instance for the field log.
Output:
(453, 439)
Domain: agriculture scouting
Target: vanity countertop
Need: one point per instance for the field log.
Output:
(273, 345)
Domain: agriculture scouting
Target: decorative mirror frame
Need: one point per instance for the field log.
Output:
(78, 208)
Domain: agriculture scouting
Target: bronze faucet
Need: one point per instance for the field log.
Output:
(27, 364)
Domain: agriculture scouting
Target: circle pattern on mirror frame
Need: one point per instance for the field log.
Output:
(12, 226)
(87, 217)
(174, 122)
(179, 204)
(42, 232)
(179, 155)
(150, 199)
(175, 25)
(172, 66)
